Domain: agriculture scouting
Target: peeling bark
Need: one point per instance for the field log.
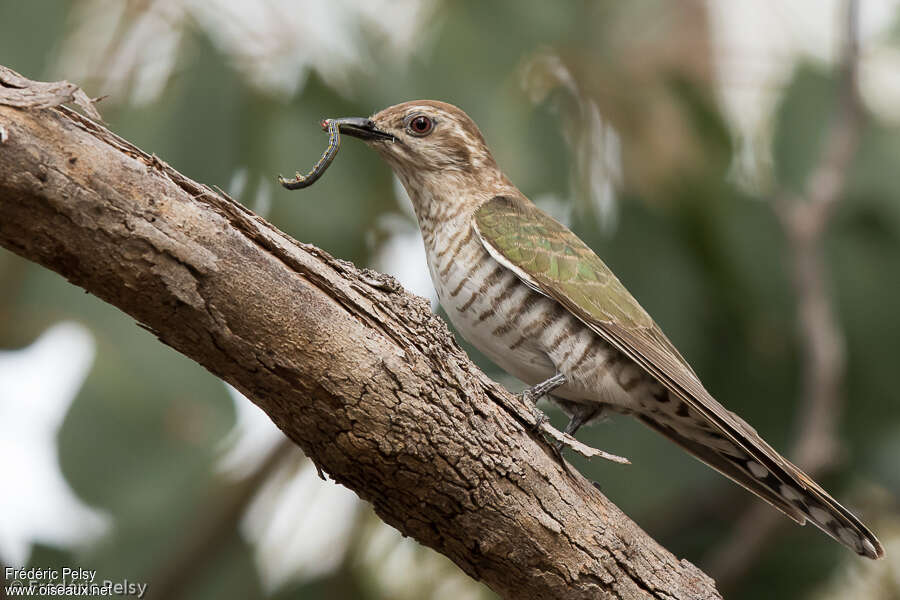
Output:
(356, 371)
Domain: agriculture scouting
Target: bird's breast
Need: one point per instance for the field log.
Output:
(486, 302)
(526, 333)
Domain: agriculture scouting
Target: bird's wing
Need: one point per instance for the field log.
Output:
(553, 260)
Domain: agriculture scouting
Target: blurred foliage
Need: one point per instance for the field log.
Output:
(706, 257)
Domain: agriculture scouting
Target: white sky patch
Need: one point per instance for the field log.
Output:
(300, 525)
(879, 79)
(606, 172)
(274, 44)
(404, 570)
(757, 44)
(238, 183)
(37, 386)
(129, 55)
(252, 438)
(595, 143)
(262, 200)
(556, 207)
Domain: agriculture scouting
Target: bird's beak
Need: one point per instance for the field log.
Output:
(362, 128)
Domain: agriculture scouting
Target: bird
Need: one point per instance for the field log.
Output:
(528, 293)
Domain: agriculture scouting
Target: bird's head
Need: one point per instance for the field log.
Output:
(431, 146)
(424, 135)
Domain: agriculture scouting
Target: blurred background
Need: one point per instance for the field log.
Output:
(672, 137)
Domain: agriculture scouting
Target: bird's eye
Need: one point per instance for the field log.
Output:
(420, 125)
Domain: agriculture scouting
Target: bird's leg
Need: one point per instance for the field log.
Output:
(536, 392)
(545, 387)
(581, 417)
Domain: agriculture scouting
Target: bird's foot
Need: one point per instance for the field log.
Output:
(530, 401)
(559, 439)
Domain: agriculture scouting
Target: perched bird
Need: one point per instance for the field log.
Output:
(541, 304)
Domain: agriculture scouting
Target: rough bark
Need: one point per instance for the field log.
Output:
(357, 372)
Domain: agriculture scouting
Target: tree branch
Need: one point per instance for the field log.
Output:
(355, 371)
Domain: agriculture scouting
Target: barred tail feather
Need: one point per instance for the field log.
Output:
(785, 487)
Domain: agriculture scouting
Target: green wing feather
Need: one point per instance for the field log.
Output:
(554, 260)
(566, 269)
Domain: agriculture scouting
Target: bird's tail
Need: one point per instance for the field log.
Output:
(749, 461)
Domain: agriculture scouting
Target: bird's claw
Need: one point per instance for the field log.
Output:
(539, 417)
